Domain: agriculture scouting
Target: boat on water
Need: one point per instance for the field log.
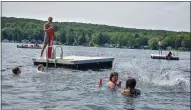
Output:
(32, 46)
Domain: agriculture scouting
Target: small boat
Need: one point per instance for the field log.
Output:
(35, 46)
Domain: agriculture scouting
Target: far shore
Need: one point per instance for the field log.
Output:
(100, 47)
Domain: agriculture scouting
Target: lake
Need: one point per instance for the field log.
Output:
(164, 85)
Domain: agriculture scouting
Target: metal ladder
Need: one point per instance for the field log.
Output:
(47, 58)
(53, 56)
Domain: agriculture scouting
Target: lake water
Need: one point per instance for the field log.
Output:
(165, 85)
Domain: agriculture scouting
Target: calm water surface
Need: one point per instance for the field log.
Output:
(165, 85)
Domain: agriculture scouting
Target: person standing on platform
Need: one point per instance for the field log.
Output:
(47, 27)
(160, 43)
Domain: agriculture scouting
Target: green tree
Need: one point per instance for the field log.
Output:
(78, 33)
(178, 41)
(82, 38)
(70, 37)
(131, 42)
(186, 42)
(62, 36)
(153, 43)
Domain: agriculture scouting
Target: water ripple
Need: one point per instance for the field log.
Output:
(164, 84)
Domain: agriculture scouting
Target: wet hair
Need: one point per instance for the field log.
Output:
(131, 83)
(112, 75)
(40, 66)
(16, 70)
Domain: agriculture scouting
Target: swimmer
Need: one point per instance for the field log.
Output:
(16, 70)
(130, 88)
(112, 80)
(40, 68)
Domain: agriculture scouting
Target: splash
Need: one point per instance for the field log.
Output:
(150, 76)
(172, 79)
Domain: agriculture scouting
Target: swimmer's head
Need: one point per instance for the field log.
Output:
(40, 67)
(130, 83)
(113, 77)
(50, 19)
(16, 70)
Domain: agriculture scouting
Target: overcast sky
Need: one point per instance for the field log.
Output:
(173, 16)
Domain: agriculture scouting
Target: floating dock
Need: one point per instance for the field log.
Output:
(76, 62)
(156, 56)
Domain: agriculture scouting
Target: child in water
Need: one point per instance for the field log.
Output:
(130, 88)
(16, 70)
(40, 68)
(113, 80)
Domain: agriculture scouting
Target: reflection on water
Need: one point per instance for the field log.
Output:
(163, 84)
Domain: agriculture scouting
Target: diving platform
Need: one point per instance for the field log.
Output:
(73, 62)
(76, 62)
(157, 56)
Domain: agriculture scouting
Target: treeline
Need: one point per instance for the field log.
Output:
(72, 33)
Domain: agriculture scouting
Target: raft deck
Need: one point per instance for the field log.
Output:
(76, 62)
(157, 56)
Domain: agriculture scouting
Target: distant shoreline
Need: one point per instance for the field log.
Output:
(98, 47)
(86, 34)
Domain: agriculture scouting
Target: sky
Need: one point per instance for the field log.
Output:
(173, 16)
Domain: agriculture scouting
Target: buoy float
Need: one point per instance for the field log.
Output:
(50, 43)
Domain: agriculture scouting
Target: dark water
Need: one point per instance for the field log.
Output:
(165, 85)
